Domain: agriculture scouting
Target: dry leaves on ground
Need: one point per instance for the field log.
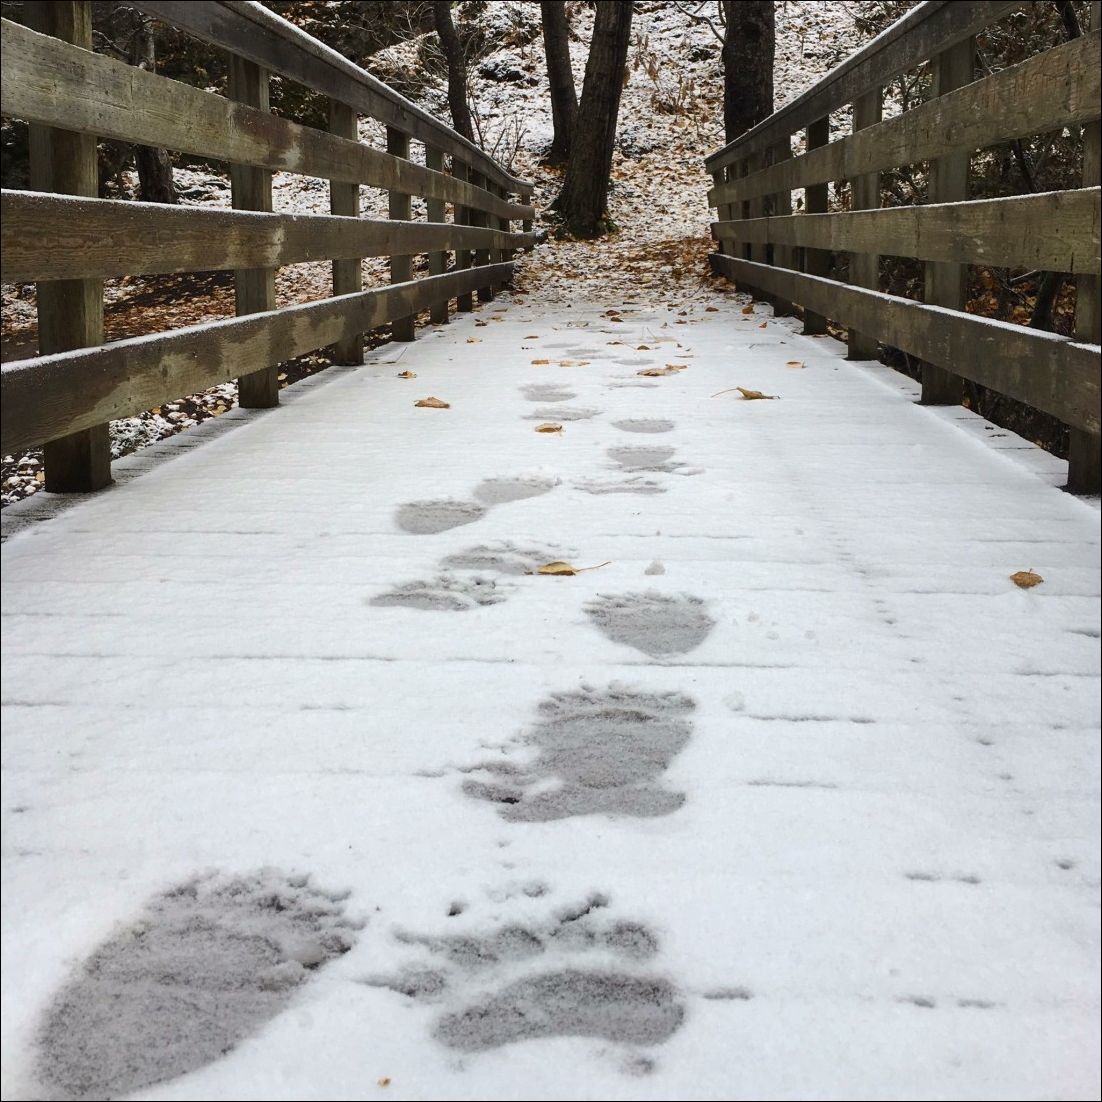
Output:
(795, 363)
(432, 403)
(407, 375)
(1026, 579)
(748, 395)
(549, 426)
(565, 570)
(748, 309)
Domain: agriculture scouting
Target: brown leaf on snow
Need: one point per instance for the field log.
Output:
(642, 348)
(658, 372)
(432, 403)
(565, 570)
(407, 375)
(541, 362)
(532, 337)
(748, 309)
(572, 363)
(474, 340)
(795, 363)
(763, 325)
(1026, 579)
(748, 395)
(549, 426)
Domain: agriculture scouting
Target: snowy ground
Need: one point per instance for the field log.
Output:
(796, 797)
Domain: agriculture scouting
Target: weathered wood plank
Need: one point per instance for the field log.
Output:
(779, 205)
(251, 188)
(344, 200)
(438, 259)
(251, 31)
(481, 256)
(1060, 87)
(1052, 231)
(816, 201)
(1043, 370)
(864, 265)
(47, 81)
(400, 209)
(948, 183)
(70, 312)
(54, 237)
(48, 397)
(923, 32)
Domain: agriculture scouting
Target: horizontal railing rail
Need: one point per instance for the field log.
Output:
(787, 257)
(64, 238)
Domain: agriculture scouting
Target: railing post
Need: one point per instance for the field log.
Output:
(946, 282)
(481, 256)
(526, 198)
(464, 303)
(816, 261)
(438, 261)
(345, 199)
(864, 268)
(401, 208)
(251, 189)
(70, 311)
(723, 211)
(1084, 451)
(779, 204)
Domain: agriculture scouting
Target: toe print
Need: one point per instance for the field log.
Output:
(444, 593)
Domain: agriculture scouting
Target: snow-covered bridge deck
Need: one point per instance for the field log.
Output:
(796, 797)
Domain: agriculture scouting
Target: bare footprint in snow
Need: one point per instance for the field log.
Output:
(563, 413)
(504, 557)
(206, 965)
(642, 424)
(654, 623)
(499, 491)
(426, 518)
(547, 392)
(444, 593)
(598, 751)
(654, 459)
(553, 996)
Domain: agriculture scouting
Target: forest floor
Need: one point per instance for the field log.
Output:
(671, 116)
(316, 787)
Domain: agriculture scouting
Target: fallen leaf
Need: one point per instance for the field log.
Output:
(748, 309)
(565, 570)
(1026, 579)
(432, 403)
(480, 322)
(795, 363)
(656, 372)
(384, 1082)
(474, 340)
(541, 362)
(642, 348)
(572, 363)
(549, 426)
(407, 375)
(678, 367)
(749, 395)
(711, 309)
(532, 337)
(763, 325)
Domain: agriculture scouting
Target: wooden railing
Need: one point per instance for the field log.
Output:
(68, 241)
(785, 257)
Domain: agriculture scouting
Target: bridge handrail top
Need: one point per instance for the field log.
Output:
(256, 13)
(824, 95)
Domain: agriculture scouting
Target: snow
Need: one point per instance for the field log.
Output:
(795, 797)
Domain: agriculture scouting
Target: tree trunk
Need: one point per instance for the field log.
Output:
(748, 47)
(154, 165)
(457, 68)
(560, 76)
(584, 196)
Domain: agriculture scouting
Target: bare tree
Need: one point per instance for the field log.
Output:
(560, 76)
(584, 196)
(457, 68)
(154, 165)
(748, 48)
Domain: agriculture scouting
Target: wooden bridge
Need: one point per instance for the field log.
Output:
(315, 786)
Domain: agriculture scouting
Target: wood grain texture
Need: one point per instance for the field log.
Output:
(438, 258)
(1044, 370)
(47, 81)
(1060, 87)
(51, 237)
(344, 200)
(51, 396)
(816, 201)
(254, 32)
(400, 209)
(1052, 231)
(864, 264)
(70, 311)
